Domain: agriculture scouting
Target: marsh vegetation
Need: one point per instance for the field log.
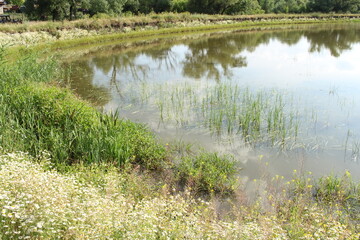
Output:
(69, 170)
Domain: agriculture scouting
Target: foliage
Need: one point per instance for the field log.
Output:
(245, 7)
(67, 9)
(335, 6)
(179, 5)
(16, 2)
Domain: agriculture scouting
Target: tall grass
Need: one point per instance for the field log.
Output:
(38, 116)
(263, 117)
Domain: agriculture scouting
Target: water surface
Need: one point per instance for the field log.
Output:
(278, 99)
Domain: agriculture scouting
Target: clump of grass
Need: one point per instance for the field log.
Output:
(338, 190)
(208, 172)
(50, 118)
(311, 208)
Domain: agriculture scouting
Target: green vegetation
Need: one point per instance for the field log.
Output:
(224, 109)
(95, 203)
(90, 175)
(40, 117)
(68, 9)
(208, 172)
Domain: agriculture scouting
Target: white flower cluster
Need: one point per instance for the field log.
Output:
(26, 38)
(32, 38)
(38, 203)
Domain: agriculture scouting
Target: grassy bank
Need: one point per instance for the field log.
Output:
(59, 35)
(162, 20)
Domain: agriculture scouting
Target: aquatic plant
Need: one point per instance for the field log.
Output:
(264, 117)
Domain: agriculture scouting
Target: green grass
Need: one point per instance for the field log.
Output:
(224, 109)
(208, 172)
(38, 117)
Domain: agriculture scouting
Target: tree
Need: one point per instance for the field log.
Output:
(132, 6)
(98, 6)
(116, 6)
(246, 7)
(59, 9)
(211, 6)
(267, 5)
(179, 5)
(16, 2)
(38, 9)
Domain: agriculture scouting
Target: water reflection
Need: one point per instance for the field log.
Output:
(155, 85)
(334, 40)
(81, 78)
(214, 58)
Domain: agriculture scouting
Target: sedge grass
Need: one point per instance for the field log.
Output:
(225, 109)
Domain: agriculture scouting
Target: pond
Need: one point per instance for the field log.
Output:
(279, 100)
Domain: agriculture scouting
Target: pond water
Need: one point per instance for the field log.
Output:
(277, 99)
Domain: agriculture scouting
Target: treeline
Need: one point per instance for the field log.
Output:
(73, 9)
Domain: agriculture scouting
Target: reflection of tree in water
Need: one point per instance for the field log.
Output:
(165, 57)
(212, 58)
(123, 64)
(215, 57)
(336, 40)
(82, 75)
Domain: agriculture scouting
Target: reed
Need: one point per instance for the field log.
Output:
(225, 109)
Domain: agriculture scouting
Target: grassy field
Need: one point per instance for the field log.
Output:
(70, 172)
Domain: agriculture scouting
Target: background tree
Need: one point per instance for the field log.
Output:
(179, 5)
(132, 6)
(16, 2)
(98, 6)
(245, 7)
(116, 6)
(59, 9)
(211, 6)
(267, 5)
